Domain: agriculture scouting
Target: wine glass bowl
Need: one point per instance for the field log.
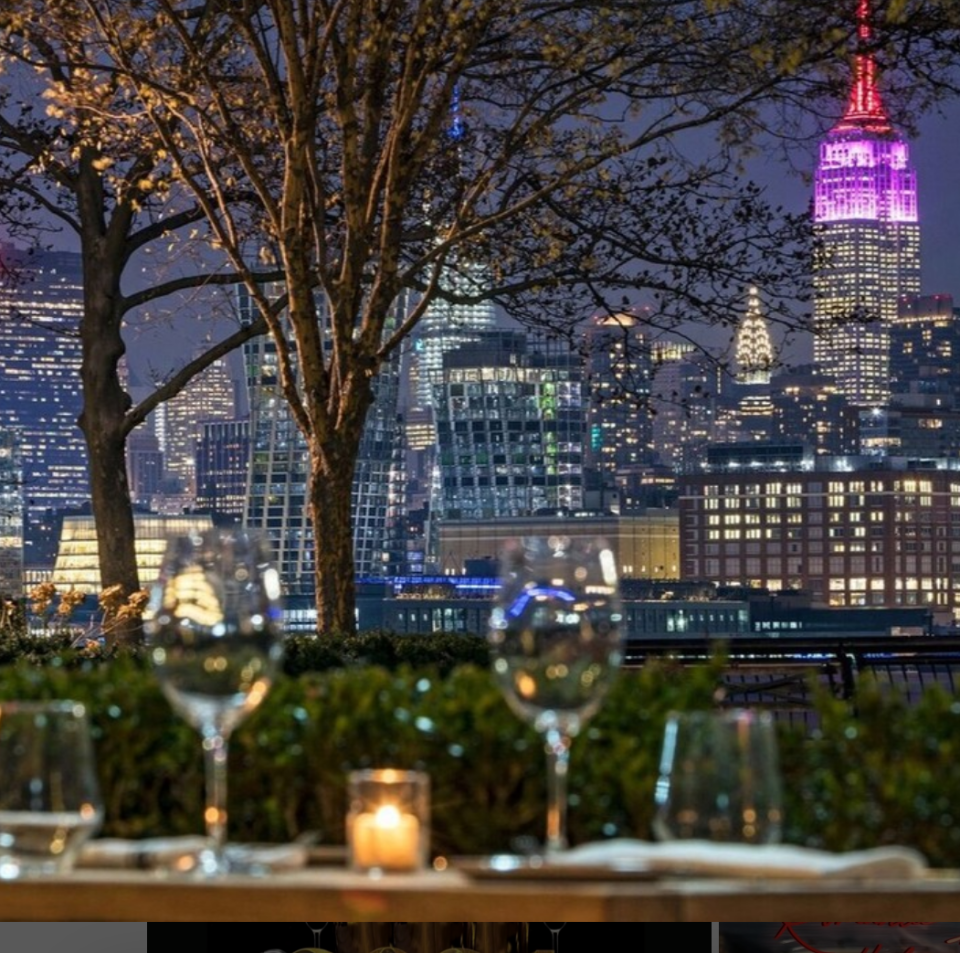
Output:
(555, 641)
(213, 630)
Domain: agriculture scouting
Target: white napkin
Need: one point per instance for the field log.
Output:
(749, 860)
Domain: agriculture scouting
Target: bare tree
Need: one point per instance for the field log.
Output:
(67, 164)
(569, 152)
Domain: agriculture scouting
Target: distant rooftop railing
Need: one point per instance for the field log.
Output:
(778, 673)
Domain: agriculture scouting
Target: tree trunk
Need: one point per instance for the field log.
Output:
(331, 485)
(113, 515)
(105, 404)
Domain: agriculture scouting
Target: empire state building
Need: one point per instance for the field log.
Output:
(865, 220)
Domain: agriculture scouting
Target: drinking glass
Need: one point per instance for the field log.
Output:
(49, 798)
(555, 639)
(555, 929)
(213, 626)
(719, 778)
(317, 931)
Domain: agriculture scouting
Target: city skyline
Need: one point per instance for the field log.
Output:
(863, 183)
(156, 344)
(788, 183)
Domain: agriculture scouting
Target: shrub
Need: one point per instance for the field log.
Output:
(302, 653)
(885, 773)
(290, 758)
(445, 650)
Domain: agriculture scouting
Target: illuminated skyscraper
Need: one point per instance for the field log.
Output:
(446, 327)
(619, 368)
(925, 346)
(11, 514)
(276, 499)
(40, 308)
(684, 389)
(754, 350)
(754, 356)
(808, 407)
(509, 428)
(223, 459)
(865, 215)
(144, 466)
(208, 397)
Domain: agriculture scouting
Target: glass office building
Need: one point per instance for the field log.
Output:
(276, 498)
(41, 302)
(509, 428)
(11, 514)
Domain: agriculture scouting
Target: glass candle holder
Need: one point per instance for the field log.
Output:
(388, 820)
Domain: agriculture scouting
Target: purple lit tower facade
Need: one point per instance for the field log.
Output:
(865, 215)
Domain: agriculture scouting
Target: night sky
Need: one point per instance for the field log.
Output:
(934, 154)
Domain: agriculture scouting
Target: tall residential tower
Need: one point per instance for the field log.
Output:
(865, 218)
(41, 302)
(619, 368)
(276, 497)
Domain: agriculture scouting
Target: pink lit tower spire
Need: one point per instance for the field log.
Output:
(865, 215)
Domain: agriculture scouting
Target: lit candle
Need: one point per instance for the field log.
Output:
(386, 839)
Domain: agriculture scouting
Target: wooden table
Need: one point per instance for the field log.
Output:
(341, 895)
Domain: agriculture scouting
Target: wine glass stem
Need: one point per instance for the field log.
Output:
(316, 937)
(558, 757)
(556, 940)
(215, 814)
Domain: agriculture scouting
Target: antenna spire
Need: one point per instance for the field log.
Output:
(864, 108)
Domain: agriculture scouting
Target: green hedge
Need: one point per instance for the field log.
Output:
(289, 760)
(302, 653)
(889, 774)
(445, 650)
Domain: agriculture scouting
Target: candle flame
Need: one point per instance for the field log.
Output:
(388, 816)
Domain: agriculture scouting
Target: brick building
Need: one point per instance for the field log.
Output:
(849, 532)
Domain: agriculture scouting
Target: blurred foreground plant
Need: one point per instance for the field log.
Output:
(53, 622)
(885, 772)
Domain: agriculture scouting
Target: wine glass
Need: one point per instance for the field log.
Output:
(213, 629)
(719, 778)
(555, 929)
(317, 931)
(555, 641)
